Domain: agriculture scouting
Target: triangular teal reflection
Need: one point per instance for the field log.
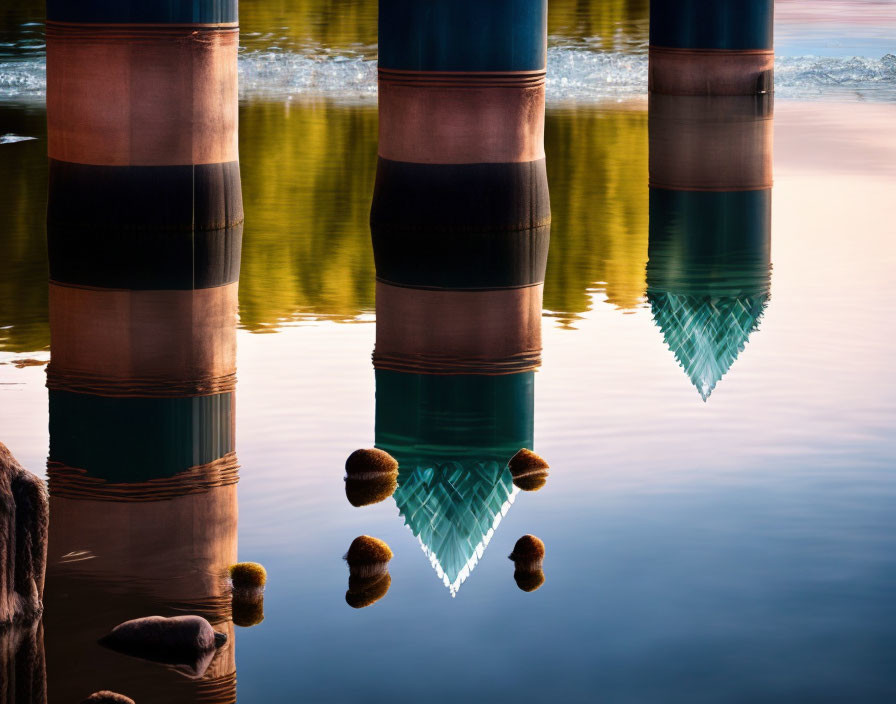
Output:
(706, 334)
(454, 511)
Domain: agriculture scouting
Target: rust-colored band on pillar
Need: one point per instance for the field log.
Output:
(76, 483)
(143, 343)
(711, 143)
(147, 95)
(710, 71)
(461, 118)
(458, 332)
(130, 556)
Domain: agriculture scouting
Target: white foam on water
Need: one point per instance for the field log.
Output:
(10, 138)
(575, 74)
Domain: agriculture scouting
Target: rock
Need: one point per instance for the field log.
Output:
(529, 471)
(528, 557)
(248, 575)
(106, 697)
(368, 567)
(187, 642)
(247, 611)
(23, 678)
(528, 581)
(371, 476)
(367, 557)
(528, 553)
(365, 591)
(24, 522)
(364, 463)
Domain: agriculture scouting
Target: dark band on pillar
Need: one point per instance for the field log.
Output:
(712, 24)
(144, 11)
(462, 35)
(142, 116)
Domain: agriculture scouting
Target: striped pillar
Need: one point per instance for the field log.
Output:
(461, 134)
(142, 119)
(142, 476)
(458, 340)
(711, 47)
(145, 231)
(708, 274)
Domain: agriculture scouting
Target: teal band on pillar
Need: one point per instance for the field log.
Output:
(709, 243)
(463, 35)
(125, 440)
(712, 24)
(431, 418)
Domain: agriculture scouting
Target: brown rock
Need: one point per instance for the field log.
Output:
(367, 556)
(106, 697)
(24, 521)
(363, 592)
(188, 642)
(362, 463)
(529, 471)
(529, 581)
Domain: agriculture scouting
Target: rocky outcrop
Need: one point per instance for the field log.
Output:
(24, 521)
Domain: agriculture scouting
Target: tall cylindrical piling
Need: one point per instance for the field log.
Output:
(708, 273)
(142, 114)
(145, 230)
(461, 227)
(461, 136)
(142, 475)
(711, 47)
(455, 397)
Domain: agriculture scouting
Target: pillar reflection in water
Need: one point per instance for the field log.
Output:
(709, 270)
(461, 225)
(145, 228)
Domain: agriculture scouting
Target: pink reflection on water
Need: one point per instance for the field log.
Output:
(855, 12)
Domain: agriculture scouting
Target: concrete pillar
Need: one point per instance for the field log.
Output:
(461, 141)
(461, 227)
(142, 115)
(708, 274)
(145, 230)
(711, 47)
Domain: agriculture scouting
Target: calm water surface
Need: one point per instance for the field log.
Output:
(719, 520)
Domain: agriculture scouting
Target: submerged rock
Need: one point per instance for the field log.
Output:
(367, 556)
(371, 476)
(528, 558)
(248, 579)
(23, 671)
(187, 642)
(246, 611)
(248, 575)
(529, 471)
(368, 565)
(366, 591)
(106, 697)
(24, 521)
(528, 581)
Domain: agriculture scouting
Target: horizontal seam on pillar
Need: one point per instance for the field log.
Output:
(718, 52)
(710, 189)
